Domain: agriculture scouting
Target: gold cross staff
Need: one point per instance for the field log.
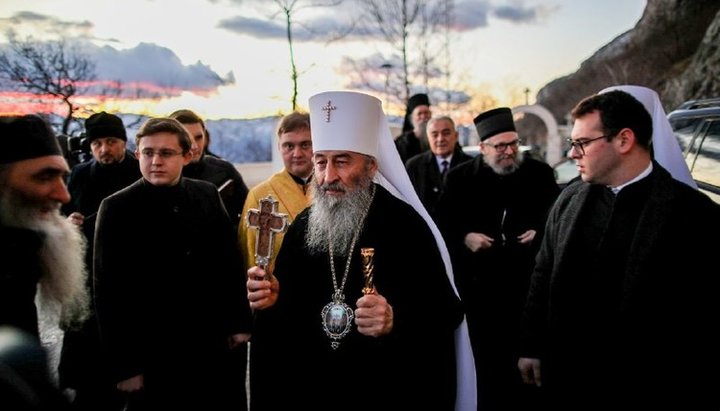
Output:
(268, 222)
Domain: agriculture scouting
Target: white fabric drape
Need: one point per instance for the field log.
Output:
(666, 148)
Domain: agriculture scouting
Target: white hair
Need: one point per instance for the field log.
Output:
(62, 290)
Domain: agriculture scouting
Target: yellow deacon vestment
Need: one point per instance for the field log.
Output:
(291, 201)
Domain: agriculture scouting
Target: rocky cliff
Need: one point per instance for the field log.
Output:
(674, 49)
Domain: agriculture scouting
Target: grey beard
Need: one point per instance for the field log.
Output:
(335, 220)
(62, 296)
(503, 171)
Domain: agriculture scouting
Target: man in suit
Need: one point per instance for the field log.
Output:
(427, 170)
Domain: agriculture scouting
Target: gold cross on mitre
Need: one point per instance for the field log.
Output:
(268, 222)
(327, 109)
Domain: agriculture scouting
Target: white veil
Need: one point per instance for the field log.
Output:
(666, 148)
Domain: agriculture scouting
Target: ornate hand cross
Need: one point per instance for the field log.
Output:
(267, 221)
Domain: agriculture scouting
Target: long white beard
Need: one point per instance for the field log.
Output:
(62, 296)
(335, 219)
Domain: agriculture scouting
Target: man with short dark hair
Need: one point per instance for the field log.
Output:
(622, 304)
(290, 187)
(206, 167)
(169, 282)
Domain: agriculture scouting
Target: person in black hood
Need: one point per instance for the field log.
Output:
(413, 141)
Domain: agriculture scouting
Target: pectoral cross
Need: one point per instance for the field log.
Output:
(268, 222)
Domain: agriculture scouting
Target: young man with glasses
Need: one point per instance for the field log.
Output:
(621, 304)
(492, 214)
(169, 288)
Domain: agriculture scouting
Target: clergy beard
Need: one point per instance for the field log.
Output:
(62, 293)
(509, 169)
(335, 220)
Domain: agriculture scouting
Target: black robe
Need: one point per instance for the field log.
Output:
(623, 299)
(493, 282)
(169, 291)
(409, 145)
(19, 275)
(219, 172)
(82, 362)
(413, 367)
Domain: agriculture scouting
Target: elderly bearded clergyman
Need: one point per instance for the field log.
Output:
(41, 252)
(319, 339)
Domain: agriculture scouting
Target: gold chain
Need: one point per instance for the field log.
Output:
(338, 291)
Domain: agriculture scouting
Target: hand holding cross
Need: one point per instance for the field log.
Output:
(268, 222)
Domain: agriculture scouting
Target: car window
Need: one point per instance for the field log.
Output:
(699, 138)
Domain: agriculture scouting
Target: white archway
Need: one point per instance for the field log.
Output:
(553, 153)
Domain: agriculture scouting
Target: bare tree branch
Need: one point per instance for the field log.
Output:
(52, 68)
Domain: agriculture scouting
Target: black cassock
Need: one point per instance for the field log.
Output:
(170, 291)
(292, 363)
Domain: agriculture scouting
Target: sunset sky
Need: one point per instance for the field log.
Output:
(230, 58)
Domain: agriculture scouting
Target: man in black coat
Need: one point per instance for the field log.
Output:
(623, 297)
(112, 168)
(427, 170)
(207, 167)
(492, 213)
(169, 283)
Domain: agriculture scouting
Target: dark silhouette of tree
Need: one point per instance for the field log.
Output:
(53, 68)
(289, 8)
(416, 32)
(393, 20)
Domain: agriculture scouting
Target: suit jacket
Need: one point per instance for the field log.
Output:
(426, 177)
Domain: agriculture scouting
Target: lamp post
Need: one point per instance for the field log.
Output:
(387, 67)
(527, 95)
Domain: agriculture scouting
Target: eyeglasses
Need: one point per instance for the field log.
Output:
(290, 147)
(164, 153)
(580, 144)
(501, 147)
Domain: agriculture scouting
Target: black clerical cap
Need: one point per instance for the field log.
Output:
(493, 122)
(419, 99)
(26, 137)
(103, 124)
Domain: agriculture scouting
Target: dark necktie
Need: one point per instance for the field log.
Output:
(444, 168)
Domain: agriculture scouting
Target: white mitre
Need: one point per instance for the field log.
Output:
(666, 149)
(352, 121)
